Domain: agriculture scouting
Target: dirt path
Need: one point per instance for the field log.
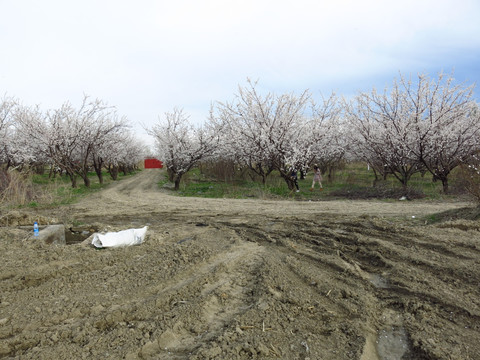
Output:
(244, 279)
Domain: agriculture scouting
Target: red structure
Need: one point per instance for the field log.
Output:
(153, 164)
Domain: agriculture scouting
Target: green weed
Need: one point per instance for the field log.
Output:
(54, 191)
(354, 180)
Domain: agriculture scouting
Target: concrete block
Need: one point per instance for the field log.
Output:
(52, 234)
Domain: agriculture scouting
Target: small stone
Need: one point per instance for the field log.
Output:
(4, 349)
(97, 310)
(168, 339)
(263, 350)
(150, 349)
(131, 356)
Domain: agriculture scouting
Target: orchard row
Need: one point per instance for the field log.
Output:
(420, 125)
(69, 140)
(416, 125)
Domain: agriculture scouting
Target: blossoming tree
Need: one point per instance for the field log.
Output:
(430, 124)
(273, 132)
(182, 145)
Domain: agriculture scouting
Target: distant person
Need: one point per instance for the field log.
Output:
(317, 177)
(294, 178)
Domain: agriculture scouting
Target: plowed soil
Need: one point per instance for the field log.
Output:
(242, 279)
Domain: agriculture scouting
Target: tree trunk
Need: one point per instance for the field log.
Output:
(445, 185)
(258, 169)
(171, 175)
(97, 165)
(385, 174)
(113, 171)
(40, 169)
(99, 175)
(177, 182)
(73, 179)
(331, 174)
(86, 180)
(375, 180)
(288, 179)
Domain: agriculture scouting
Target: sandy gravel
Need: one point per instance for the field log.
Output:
(242, 279)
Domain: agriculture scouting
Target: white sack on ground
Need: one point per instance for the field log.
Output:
(122, 238)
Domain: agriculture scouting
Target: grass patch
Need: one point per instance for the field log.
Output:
(231, 190)
(353, 181)
(54, 191)
(380, 191)
(468, 213)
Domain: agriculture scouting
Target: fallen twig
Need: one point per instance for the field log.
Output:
(274, 351)
(245, 327)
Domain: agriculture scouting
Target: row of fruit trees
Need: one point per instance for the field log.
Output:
(416, 125)
(69, 140)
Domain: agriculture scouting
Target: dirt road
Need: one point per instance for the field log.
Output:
(243, 279)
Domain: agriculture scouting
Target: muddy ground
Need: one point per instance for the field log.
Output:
(242, 279)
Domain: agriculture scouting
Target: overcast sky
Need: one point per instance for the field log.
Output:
(148, 56)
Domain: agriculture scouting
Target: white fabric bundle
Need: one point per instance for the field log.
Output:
(122, 238)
